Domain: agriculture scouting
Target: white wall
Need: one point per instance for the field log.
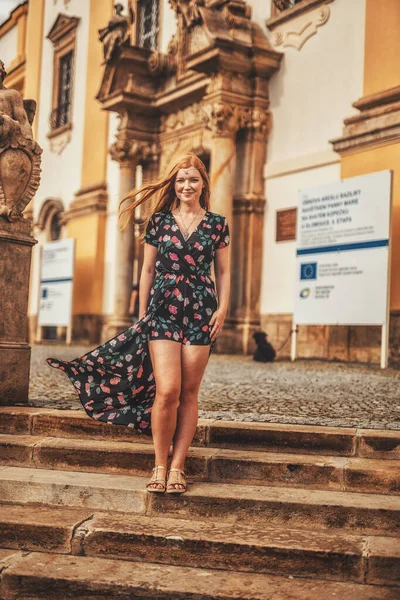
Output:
(315, 87)
(9, 46)
(310, 96)
(61, 173)
(168, 25)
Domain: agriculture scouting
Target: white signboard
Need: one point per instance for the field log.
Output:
(343, 252)
(57, 267)
(343, 255)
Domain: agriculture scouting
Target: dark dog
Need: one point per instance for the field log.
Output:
(265, 352)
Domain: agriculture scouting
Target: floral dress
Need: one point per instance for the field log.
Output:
(115, 381)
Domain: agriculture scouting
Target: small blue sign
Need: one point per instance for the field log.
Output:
(308, 271)
(44, 293)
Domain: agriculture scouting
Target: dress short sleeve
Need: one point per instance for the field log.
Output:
(151, 232)
(223, 239)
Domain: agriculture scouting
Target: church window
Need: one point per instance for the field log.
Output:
(148, 23)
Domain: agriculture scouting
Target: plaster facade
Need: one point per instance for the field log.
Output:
(269, 108)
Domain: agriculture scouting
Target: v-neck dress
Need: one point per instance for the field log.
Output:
(115, 382)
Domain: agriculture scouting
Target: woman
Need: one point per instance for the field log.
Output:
(116, 381)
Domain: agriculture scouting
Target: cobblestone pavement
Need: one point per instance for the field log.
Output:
(238, 388)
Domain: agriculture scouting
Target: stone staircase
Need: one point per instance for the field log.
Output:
(273, 512)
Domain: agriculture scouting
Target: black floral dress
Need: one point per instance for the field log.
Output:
(115, 381)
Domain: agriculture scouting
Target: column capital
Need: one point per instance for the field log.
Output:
(223, 119)
(132, 152)
(258, 122)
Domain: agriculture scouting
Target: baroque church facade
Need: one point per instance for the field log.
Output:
(273, 95)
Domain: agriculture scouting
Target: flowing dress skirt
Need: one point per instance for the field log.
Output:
(115, 381)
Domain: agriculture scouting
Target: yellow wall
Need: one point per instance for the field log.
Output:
(380, 159)
(34, 44)
(382, 46)
(89, 262)
(95, 146)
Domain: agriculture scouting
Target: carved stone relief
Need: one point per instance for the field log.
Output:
(128, 150)
(19, 153)
(301, 28)
(59, 142)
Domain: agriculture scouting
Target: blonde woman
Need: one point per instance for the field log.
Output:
(148, 377)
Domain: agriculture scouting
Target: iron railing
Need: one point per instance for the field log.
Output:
(60, 116)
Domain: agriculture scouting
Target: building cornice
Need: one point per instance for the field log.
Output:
(15, 15)
(377, 124)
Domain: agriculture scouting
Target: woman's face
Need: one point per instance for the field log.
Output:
(189, 185)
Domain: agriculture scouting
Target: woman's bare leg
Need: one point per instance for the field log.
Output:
(166, 360)
(194, 362)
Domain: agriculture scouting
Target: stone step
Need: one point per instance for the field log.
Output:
(250, 504)
(43, 576)
(212, 545)
(270, 437)
(209, 464)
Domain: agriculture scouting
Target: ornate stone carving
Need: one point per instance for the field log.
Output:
(259, 121)
(189, 9)
(224, 119)
(59, 142)
(65, 2)
(127, 150)
(116, 33)
(162, 64)
(19, 152)
(300, 29)
(173, 45)
(191, 115)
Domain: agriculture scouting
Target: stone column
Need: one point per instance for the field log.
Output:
(120, 320)
(224, 124)
(249, 204)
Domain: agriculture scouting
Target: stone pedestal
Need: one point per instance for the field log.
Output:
(15, 251)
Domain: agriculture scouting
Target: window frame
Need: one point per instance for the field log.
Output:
(63, 37)
(138, 25)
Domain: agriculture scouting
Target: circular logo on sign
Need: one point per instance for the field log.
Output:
(305, 293)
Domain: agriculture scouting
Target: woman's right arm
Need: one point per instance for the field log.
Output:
(146, 277)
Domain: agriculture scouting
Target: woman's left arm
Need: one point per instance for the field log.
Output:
(223, 283)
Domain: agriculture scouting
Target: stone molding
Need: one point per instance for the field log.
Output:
(249, 204)
(47, 210)
(377, 123)
(300, 163)
(62, 30)
(60, 138)
(295, 26)
(89, 200)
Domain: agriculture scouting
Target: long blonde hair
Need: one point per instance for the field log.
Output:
(164, 189)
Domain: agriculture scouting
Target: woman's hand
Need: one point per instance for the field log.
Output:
(217, 321)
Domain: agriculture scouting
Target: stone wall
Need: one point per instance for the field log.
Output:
(354, 344)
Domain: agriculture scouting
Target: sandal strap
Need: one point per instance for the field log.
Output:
(155, 478)
(180, 478)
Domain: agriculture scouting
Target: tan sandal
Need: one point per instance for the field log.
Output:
(180, 480)
(158, 480)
